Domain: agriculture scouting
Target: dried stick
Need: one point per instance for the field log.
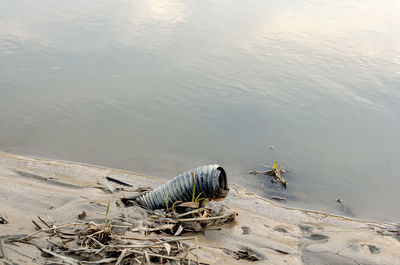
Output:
(2, 255)
(184, 257)
(37, 225)
(121, 257)
(48, 229)
(206, 218)
(20, 253)
(65, 259)
(43, 221)
(187, 213)
(154, 255)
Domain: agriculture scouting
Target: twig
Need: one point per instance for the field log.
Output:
(37, 225)
(48, 229)
(98, 251)
(20, 253)
(43, 221)
(187, 213)
(51, 220)
(152, 245)
(121, 226)
(174, 240)
(82, 249)
(2, 255)
(97, 242)
(108, 260)
(184, 257)
(121, 257)
(155, 255)
(65, 259)
(207, 218)
(118, 181)
(97, 225)
(145, 257)
(197, 251)
(129, 246)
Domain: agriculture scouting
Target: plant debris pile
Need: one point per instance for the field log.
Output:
(184, 217)
(133, 235)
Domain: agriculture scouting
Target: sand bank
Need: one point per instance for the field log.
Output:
(61, 190)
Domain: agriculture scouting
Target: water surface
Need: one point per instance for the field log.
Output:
(159, 87)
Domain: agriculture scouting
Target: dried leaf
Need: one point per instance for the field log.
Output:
(179, 231)
(167, 247)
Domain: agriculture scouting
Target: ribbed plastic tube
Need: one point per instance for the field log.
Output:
(211, 182)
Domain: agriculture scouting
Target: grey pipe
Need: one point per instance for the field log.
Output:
(211, 182)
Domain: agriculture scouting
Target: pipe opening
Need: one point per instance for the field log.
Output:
(222, 180)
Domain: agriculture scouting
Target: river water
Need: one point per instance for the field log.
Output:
(162, 86)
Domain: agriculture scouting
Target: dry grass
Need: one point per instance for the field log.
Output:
(123, 240)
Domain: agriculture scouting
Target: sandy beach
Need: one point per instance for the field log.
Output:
(60, 191)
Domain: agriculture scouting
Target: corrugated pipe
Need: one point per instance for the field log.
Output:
(211, 182)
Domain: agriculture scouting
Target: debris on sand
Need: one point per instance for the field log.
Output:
(393, 231)
(150, 236)
(82, 215)
(279, 199)
(246, 254)
(184, 217)
(3, 220)
(140, 229)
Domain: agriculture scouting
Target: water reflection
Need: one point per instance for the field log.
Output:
(91, 27)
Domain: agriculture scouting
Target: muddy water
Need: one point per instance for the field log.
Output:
(161, 87)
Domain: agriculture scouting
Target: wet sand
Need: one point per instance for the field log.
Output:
(61, 190)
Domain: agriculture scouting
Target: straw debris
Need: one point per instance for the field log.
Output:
(130, 234)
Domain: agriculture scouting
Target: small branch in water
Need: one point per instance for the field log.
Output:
(276, 172)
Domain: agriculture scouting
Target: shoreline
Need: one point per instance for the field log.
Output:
(280, 234)
(163, 180)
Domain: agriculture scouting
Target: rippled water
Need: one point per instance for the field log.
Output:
(159, 87)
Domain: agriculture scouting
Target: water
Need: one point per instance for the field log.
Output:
(160, 87)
